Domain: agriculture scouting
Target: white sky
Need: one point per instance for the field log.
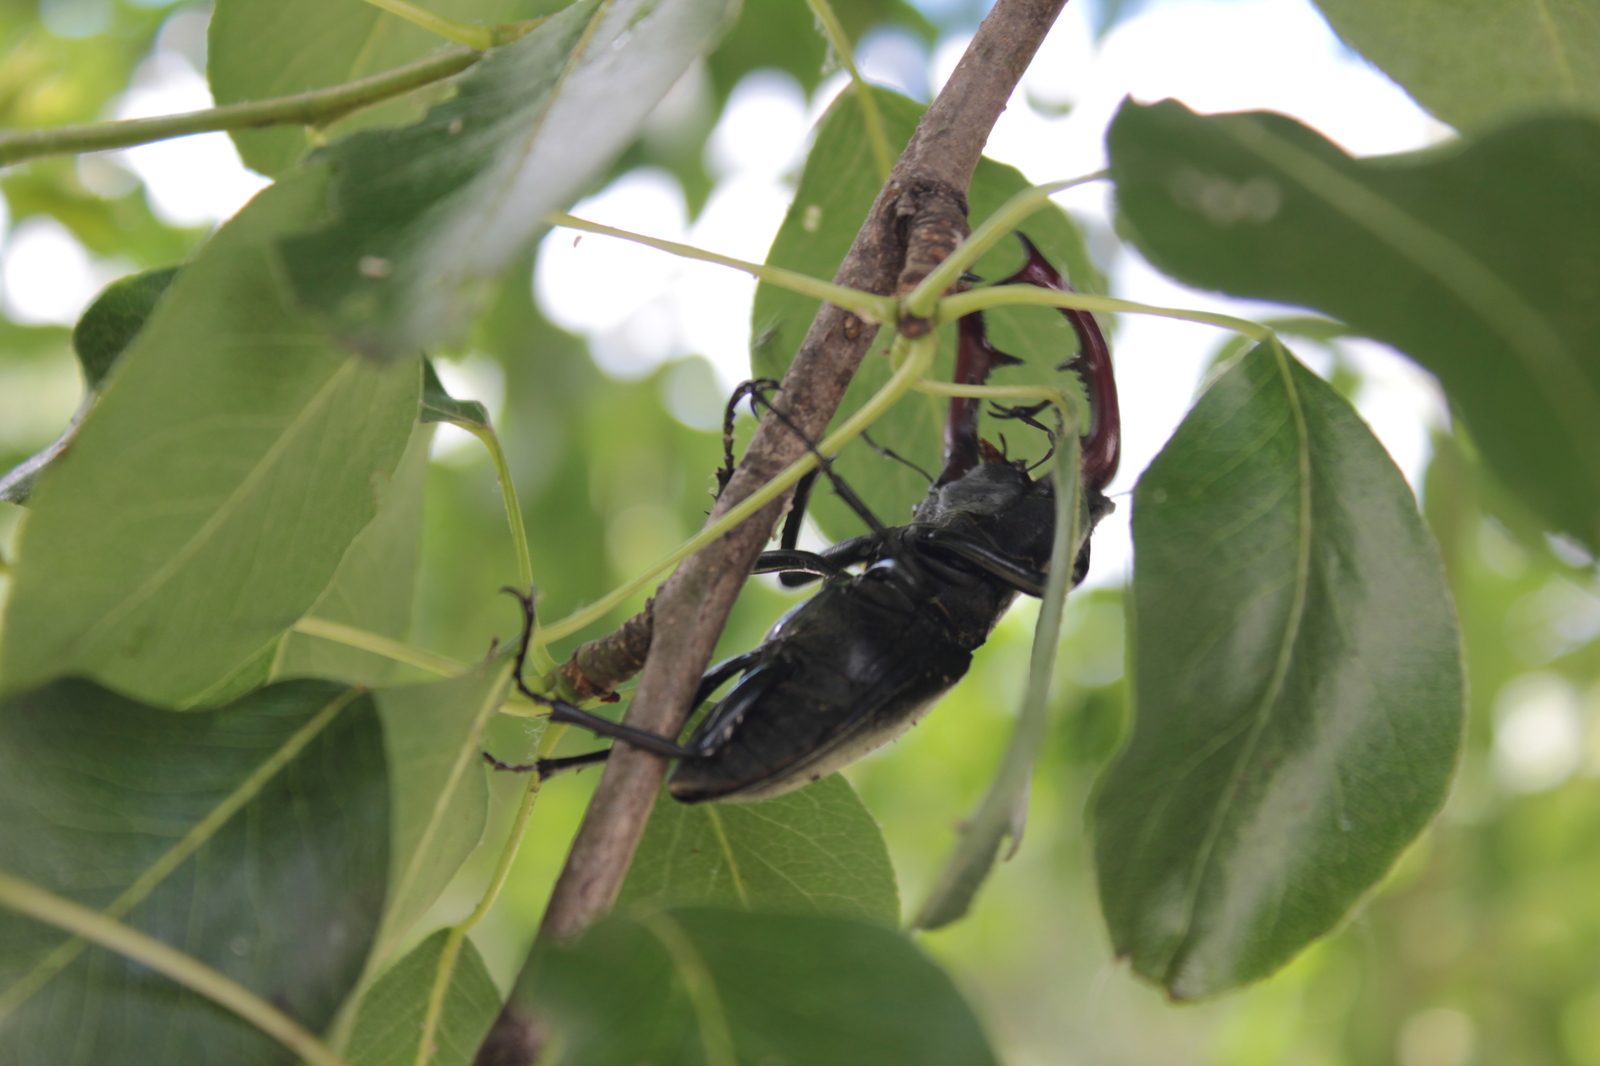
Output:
(1215, 56)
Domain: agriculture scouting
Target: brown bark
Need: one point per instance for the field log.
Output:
(918, 218)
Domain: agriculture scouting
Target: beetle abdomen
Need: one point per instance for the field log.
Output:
(826, 696)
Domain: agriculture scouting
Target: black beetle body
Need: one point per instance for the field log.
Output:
(865, 658)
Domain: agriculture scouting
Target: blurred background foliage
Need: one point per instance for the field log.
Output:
(1482, 947)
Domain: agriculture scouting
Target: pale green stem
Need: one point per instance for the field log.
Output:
(410, 654)
(921, 353)
(1059, 397)
(920, 301)
(870, 117)
(979, 845)
(63, 954)
(191, 973)
(502, 872)
(871, 307)
(352, 637)
(314, 108)
(699, 985)
(953, 307)
(472, 34)
(519, 532)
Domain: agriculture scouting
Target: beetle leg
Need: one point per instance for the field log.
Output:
(718, 674)
(791, 561)
(797, 511)
(744, 389)
(845, 553)
(562, 711)
(547, 768)
(1023, 579)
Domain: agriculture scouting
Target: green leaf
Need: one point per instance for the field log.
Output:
(1475, 62)
(815, 850)
(784, 34)
(106, 328)
(1297, 684)
(836, 190)
(259, 51)
(439, 406)
(375, 587)
(117, 315)
(1480, 261)
(214, 489)
(804, 990)
(392, 1014)
(440, 798)
(283, 896)
(425, 216)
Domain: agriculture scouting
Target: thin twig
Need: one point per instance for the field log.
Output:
(929, 181)
(315, 108)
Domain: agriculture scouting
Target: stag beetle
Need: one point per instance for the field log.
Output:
(866, 657)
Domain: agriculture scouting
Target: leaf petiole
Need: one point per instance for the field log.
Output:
(870, 118)
(869, 306)
(954, 307)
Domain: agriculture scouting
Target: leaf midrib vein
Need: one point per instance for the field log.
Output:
(1291, 636)
(224, 512)
(1523, 329)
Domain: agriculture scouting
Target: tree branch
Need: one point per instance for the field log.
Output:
(918, 217)
(315, 108)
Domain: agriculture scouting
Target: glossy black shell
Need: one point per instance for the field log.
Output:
(866, 657)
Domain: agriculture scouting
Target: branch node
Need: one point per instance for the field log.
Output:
(934, 215)
(596, 669)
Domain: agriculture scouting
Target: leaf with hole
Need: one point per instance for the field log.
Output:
(1297, 684)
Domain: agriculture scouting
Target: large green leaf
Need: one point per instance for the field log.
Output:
(392, 1014)
(287, 794)
(425, 216)
(432, 735)
(1481, 262)
(1297, 684)
(836, 190)
(211, 494)
(802, 990)
(818, 849)
(1475, 62)
(375, 587)
(259, 51)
